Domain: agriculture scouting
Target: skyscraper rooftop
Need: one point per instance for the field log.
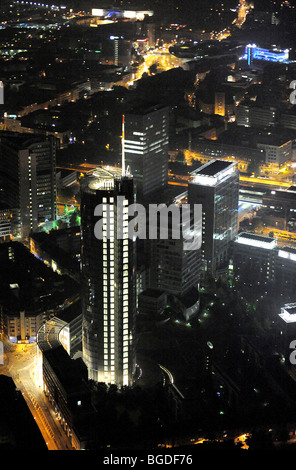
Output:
(213, 172)
(213, 167)
(102, 178)
(259, 241)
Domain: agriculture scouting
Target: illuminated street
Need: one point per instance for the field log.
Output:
(162, 58)
(257, 182)
(243, 10)
(20, 363)
(283, 237)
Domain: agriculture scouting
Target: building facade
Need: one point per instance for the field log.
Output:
(175, 268)
(215, 185)
(258, 260)
(277, 154)
(108, 277)
(286, 270)
(145, 143)
(254, 258)
(28, 165)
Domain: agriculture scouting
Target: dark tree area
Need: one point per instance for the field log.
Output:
(223, 364)
(130, 417)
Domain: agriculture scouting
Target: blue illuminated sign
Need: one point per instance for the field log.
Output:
(254, 52)
(112, 13)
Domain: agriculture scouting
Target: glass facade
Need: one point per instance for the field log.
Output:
(28, 171)
(216, 186)
(146, 148)
(108, 274)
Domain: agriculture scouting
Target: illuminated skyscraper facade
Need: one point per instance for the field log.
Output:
(215, 185)
(108, 277)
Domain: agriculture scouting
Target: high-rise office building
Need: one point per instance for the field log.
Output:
(215, 185)
(285, 269)
(258, 260)
(146, 138)
(28, 179)
(176, 269)
(116, 50)
(254, 258)
(108, 276)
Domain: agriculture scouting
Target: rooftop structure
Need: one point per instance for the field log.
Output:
(213, 172)
(287, 252)
(288, 313)
(259, 241)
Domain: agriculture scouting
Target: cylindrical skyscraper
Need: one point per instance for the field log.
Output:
(108, 277)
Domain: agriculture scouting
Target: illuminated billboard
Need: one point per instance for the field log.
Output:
(275, 55)
(124, 14)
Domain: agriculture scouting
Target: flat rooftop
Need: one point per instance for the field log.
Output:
(255, 240)
(255, 236)
(291, 310)
(155, 293)
(288, 253)
(213, 167)
(289, 249)
(288, 313)
(213, 172)
(145, 108)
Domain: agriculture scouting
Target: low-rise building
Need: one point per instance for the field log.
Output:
(31, 292)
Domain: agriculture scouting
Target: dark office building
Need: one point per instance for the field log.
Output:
(175, 265)
(215, 185)
(286, 270)
(254, 258)
(28, 179)
(146, 141)
(108, 276)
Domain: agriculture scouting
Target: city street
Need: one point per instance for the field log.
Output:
(20, 363)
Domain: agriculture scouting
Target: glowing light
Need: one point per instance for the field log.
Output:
(97, 12)
(254, 52)
(287, 255)
(288, 313)
(262, 242)
(212, 180)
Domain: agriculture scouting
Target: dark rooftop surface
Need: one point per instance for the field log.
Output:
(145, 108)
(291, 310)
(70, 372)
(152, 293)
(254, 236)
(213, 168)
